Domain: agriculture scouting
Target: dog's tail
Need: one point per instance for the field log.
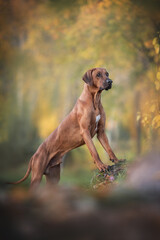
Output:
(25, 176)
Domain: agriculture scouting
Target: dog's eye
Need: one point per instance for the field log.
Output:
(107, 74)
(98, 74)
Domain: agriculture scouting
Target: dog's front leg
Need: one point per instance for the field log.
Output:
(104, 142)
(88, 140)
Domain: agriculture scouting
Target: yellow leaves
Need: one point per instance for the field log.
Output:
(154, 41)
(43, 117)
(47, 124)
(153, 108)
(145, 121)
(156, 48)
(158, 75)
(105, 3)
(157, 82)
(152, 118)
(156, 121)
(156, 45)
(100, 63)
(157, 85)
(87, 53)
(138, 116)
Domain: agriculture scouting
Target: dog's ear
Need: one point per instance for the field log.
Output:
(87, 77)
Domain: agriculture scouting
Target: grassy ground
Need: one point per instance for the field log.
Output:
(69, 176)
(79, 172)
(77, 176)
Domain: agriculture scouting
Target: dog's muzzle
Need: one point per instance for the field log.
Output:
(108, 84)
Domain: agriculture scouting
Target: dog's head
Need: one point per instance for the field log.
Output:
(98, 78)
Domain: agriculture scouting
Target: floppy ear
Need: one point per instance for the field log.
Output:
(87, 78)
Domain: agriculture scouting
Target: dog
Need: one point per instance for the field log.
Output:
(86, 119)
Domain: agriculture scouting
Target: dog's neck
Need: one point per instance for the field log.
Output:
(93, 94)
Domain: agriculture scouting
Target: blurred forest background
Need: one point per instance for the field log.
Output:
(47, 46)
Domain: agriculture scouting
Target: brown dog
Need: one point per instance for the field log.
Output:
(85, 120)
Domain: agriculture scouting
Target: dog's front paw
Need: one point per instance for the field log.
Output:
(101, 166)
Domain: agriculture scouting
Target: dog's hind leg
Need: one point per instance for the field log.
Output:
(39, 163)
(52, 172)
(53, 175)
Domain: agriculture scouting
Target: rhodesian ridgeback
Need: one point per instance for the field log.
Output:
(86, 119)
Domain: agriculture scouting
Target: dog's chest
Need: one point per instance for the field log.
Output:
(98, 117)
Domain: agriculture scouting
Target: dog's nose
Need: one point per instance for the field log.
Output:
(109, 81)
